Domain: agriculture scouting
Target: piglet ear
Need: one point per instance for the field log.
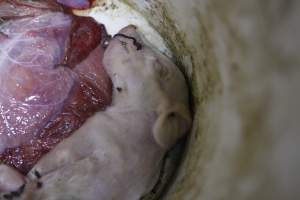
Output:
(171, 125)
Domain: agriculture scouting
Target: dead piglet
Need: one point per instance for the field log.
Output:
(117, 154)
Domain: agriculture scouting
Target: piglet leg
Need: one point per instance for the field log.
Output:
(10, 179)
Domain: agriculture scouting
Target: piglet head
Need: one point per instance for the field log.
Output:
(146, 80)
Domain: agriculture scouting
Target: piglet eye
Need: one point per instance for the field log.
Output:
(119, 83)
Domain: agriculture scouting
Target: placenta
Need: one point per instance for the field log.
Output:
(51, 77)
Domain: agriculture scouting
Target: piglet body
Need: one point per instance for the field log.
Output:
(117, 153)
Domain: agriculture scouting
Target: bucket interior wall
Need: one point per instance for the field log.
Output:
(241, 59)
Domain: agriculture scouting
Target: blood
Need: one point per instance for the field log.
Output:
(85, 36)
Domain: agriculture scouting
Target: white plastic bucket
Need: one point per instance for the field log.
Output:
(241, 59)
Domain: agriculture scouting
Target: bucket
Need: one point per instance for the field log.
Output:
(241, 59)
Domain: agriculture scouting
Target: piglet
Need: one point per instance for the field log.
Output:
(117, 154)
